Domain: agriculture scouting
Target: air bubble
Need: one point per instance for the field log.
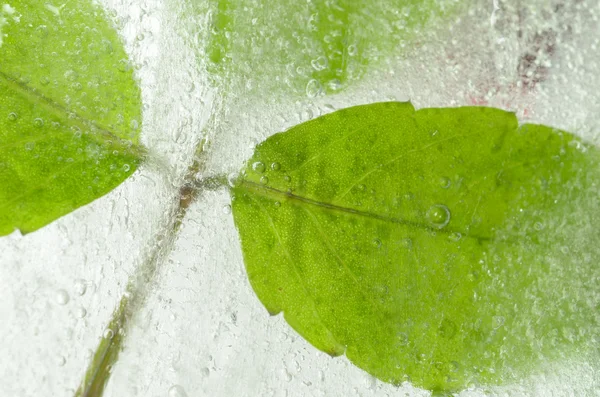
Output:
(108, 333)
(445, 182)
(277, 204)
(62, 297)
(319, 64)
(38, 122)
(455, 236)
(264, 180)
(177, 391)
(61, 361)
(352, 50)
(126, 167)
(275, 166)
(233, 180)
(377, 243)
(81, 312)
(334, 84)
(497, 322)
(227, 209)
(258, 167)
(313, 88)
(12, 116)
(80, 287)
(402, 339)
(438, 216)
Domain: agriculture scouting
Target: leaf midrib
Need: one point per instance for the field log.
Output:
(267, 191)
(101, 133)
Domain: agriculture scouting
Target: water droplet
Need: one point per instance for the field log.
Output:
(38, 122)
(126, 167)
(61, 361)
(227, 209)
(407, 243)
(81, 312)
(275, 166)
(177, 391)
(438, 216)
(264, 180)
(108, 333)
(277, 204)
(287, 178)
(205, 372)
(445, 182)
(377, 243)
(29, 146)
(80, 287)
(62, 297)
(12, 116)
(361, 187)
(258, 167)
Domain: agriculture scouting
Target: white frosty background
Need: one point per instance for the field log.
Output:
(202, 331)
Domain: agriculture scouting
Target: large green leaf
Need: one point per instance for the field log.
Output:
(449, 247)
(70, 111)
(309, 46)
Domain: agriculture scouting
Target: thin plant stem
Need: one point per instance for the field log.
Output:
(111, 344)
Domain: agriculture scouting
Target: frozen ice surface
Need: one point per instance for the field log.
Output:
(202, 331)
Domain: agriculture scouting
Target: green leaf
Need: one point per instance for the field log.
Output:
(70, 111)
(310, 47)
(449, 247)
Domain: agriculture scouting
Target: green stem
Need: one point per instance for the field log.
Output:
(111, 344)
